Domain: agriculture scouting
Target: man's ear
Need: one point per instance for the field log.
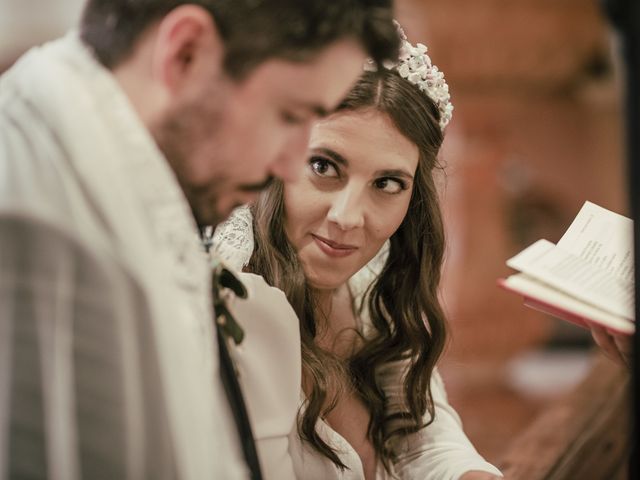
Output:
(188, 46)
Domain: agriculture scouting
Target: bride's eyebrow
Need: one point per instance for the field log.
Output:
(395, 173)
(332, 154)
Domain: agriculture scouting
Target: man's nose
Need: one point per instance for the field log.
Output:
(292, 158)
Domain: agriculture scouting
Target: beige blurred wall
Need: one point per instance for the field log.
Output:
(24, 23)
(536, 131)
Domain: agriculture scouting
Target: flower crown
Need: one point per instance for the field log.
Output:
(415, 65)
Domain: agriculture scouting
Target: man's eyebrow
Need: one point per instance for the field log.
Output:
(332, 154)
(318, 110)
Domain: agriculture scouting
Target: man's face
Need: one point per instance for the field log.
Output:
(224, 139)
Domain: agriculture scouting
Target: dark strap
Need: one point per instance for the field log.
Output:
(226, 326)
(238, 406)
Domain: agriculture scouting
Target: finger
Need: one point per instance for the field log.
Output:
(623, 343)
(606, 344)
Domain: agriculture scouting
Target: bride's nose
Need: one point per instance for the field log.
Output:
(347, 208)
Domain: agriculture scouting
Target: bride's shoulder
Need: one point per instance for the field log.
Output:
(233, 239)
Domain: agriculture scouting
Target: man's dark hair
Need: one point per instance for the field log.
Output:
(253, 30)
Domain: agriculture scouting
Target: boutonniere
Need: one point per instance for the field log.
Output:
(224, 283)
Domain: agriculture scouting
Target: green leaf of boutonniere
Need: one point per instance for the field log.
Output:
(230, 281)
(225, 279)
(229, 326)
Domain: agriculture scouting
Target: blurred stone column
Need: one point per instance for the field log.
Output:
(535, 133)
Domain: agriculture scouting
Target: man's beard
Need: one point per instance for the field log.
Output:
(191, 134)
(187, 136)
(204, 204)
(258, 187)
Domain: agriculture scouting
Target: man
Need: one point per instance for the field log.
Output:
(115, 143)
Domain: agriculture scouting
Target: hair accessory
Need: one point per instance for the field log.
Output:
(415, 65)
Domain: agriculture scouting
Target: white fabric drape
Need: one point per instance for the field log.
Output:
(109, 366)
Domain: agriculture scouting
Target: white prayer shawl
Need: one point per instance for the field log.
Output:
(104, 289)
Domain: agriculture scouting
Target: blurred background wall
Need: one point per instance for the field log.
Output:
(27, 22)
(536, 132)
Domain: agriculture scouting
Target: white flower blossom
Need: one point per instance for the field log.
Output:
(404, 70)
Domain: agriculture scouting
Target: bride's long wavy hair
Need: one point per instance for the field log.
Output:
(402, 302)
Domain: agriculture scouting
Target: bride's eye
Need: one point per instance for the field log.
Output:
(390, 185)
(323, 167)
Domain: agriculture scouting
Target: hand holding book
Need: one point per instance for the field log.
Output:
(587, 278)
(615, 346)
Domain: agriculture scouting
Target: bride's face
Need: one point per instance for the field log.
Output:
(353, 196)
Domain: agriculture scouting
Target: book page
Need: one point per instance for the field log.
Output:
(573, 275)
(603, 238)
(566, 305)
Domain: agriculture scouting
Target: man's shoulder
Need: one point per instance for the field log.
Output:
(42, 122)
(38, 183)
(37, 192)
(31, 160)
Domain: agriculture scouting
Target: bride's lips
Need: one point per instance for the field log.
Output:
(333, 249)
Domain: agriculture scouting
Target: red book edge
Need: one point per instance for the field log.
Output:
(559, 312)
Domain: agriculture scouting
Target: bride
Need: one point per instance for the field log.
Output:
(357, 244)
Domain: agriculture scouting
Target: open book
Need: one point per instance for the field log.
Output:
(587, 277)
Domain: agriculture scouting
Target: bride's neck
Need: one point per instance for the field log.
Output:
(336, 323)
(328, 301)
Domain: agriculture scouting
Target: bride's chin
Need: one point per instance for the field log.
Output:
(324, 282)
